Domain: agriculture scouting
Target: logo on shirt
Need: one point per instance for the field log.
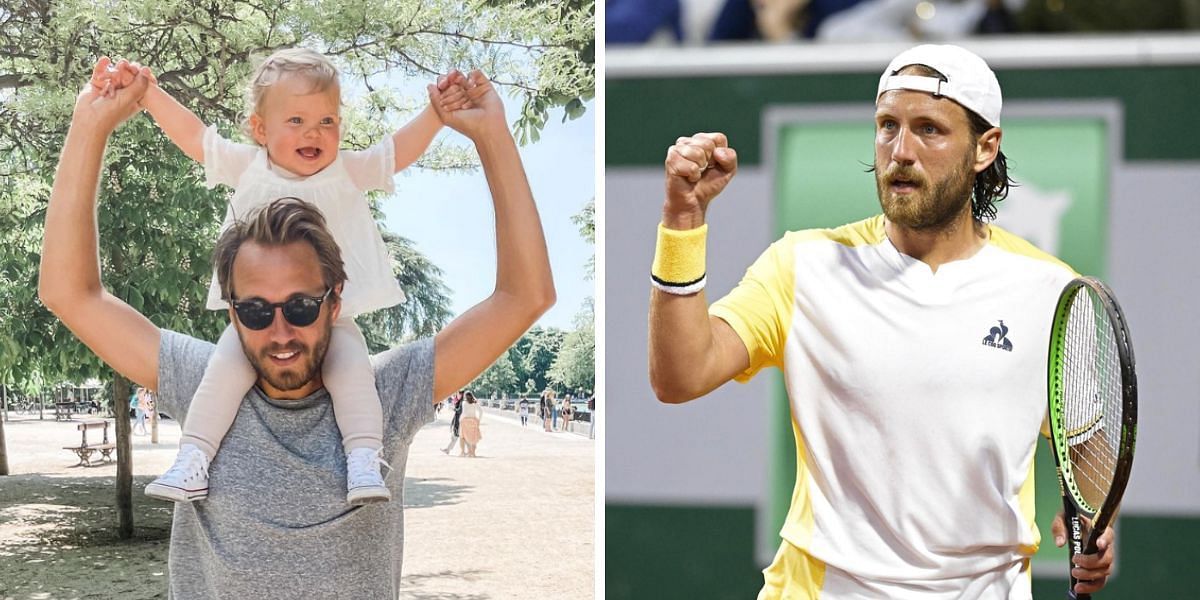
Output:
(997, 338)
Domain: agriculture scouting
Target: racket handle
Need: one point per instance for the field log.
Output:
(1071, 595)
(1074, 547)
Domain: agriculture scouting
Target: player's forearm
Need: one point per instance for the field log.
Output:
(70, 266)
(682, 348)
(181, 125)
(413, 139)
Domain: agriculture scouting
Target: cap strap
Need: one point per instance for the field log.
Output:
(933, 85)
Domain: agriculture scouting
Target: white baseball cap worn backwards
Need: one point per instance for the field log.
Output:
(969, 80)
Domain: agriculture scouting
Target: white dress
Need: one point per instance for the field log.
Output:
(338, 191)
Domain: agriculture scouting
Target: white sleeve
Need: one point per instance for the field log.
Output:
(373, 168)
(224, 161)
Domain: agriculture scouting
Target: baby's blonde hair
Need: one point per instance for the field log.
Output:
(301, 62)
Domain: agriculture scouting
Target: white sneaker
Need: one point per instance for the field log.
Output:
(186, 480)
(364, 484)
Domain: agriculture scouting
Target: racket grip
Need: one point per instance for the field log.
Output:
(1074, 542)
(1071, 595)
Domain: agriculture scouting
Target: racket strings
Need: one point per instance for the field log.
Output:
(1091, 397)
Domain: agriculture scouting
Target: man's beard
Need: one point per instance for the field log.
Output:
(925, 208)
(295, 377)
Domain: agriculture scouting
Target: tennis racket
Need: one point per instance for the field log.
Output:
(1093, 411)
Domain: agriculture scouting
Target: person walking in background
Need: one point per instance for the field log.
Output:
(547, 402)
(456, 402)
(554, 413)
(567, 411)
(591, 404)
(135, 405)
(472, 415)
(145, 407)
(523, 410)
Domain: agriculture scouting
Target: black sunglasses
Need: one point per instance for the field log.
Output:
(299, 311)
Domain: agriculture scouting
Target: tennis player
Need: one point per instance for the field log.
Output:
(913, 345)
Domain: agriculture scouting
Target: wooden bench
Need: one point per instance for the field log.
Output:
(85, 450)
(63, 410)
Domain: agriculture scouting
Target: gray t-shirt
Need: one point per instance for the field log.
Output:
(276, 523)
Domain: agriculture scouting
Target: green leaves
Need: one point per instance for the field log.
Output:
(575, 366)
(573, 110)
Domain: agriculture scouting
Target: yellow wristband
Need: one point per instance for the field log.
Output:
(679, 261)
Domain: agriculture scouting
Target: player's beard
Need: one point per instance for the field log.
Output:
(296, 377)
(927, 207)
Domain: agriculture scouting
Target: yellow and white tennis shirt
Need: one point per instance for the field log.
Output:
(916, 397)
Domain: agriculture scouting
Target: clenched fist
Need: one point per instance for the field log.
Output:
(698, 168)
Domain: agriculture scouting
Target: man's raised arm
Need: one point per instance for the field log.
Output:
(524, 284)
(69, 283)
(691, 353)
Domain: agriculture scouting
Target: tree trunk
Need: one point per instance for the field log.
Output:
(3, 447)
(120, 395)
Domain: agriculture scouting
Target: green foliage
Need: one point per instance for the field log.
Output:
(542, 52)
(585, 219)
(157, 225)
(575, 366)
(537, 349)
(525, 368)
(500, 378)
(425, 312)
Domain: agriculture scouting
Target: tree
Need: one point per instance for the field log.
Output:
(500, 378)
(157, 222)
(542, 51)
(575, 365)
(586, 221)
(428, 306)
(538, 354)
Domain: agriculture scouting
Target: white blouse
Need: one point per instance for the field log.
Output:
(472, 411)
(338, 191)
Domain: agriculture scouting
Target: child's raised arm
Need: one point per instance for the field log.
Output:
(181, 125)
(414, 137)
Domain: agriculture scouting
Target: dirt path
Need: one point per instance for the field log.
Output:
(516, 522)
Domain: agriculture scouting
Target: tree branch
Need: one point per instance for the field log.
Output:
(460, 35)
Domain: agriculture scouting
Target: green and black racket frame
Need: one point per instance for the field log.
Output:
(1092, 411)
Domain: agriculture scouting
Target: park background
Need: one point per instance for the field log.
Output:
(1096, 133)
(158, 223)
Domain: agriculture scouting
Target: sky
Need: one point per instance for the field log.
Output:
(449, 215)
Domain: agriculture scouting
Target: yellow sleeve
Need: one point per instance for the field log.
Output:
(760, 308)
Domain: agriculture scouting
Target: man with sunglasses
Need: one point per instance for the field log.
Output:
(279, 527)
